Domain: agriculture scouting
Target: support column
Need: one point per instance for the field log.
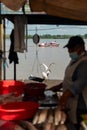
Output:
(1, 41)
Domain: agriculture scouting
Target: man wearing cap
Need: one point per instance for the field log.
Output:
(75, 81)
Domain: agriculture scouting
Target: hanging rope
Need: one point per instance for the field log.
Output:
(36, 63)
(36, 39)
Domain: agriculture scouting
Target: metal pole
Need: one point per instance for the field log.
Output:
(4, 49)
(14, 71)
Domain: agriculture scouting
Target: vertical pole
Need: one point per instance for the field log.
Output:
(14, 71)
(4, 49)
(0, 8)
(1, 41)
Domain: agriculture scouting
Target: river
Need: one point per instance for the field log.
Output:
(30, 63)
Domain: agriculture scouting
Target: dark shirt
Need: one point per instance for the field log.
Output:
(80, 78)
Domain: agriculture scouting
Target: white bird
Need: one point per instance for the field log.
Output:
(47, 70)
(44, 75)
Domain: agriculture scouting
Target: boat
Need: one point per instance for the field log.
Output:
(54, 44)
(49, 44)
(43, 44)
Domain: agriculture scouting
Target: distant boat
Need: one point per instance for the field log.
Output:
(50, 44)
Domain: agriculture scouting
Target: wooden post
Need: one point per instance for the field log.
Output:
(1, 41)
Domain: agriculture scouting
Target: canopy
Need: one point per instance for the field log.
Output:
(72, 9)
(14, 5)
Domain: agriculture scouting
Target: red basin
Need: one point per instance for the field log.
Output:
(10, 86)
(34, 89)
(18, 110)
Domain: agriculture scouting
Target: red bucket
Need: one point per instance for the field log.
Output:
(34, 89)
(18, 110)
(11, 86)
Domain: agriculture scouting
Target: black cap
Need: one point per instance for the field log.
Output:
(74, 41)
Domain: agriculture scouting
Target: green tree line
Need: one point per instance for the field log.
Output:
(48, 36)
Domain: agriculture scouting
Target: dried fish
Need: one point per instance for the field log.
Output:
(30, 126)
(43, 116)
(61, 127)
(57, 116)
(48, 126)
(50, 118)
(63, 117)
(36, 117)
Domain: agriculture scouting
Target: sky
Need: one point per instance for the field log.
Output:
(51, 29)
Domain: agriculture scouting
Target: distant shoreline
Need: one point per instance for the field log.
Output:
(48, 36)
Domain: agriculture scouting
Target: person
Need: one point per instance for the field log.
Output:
(74, 97)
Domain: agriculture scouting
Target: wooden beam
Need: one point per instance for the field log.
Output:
(46, 19)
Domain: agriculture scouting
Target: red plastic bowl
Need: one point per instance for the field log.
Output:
(34, 89)
(10, 86)
(18, 110)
